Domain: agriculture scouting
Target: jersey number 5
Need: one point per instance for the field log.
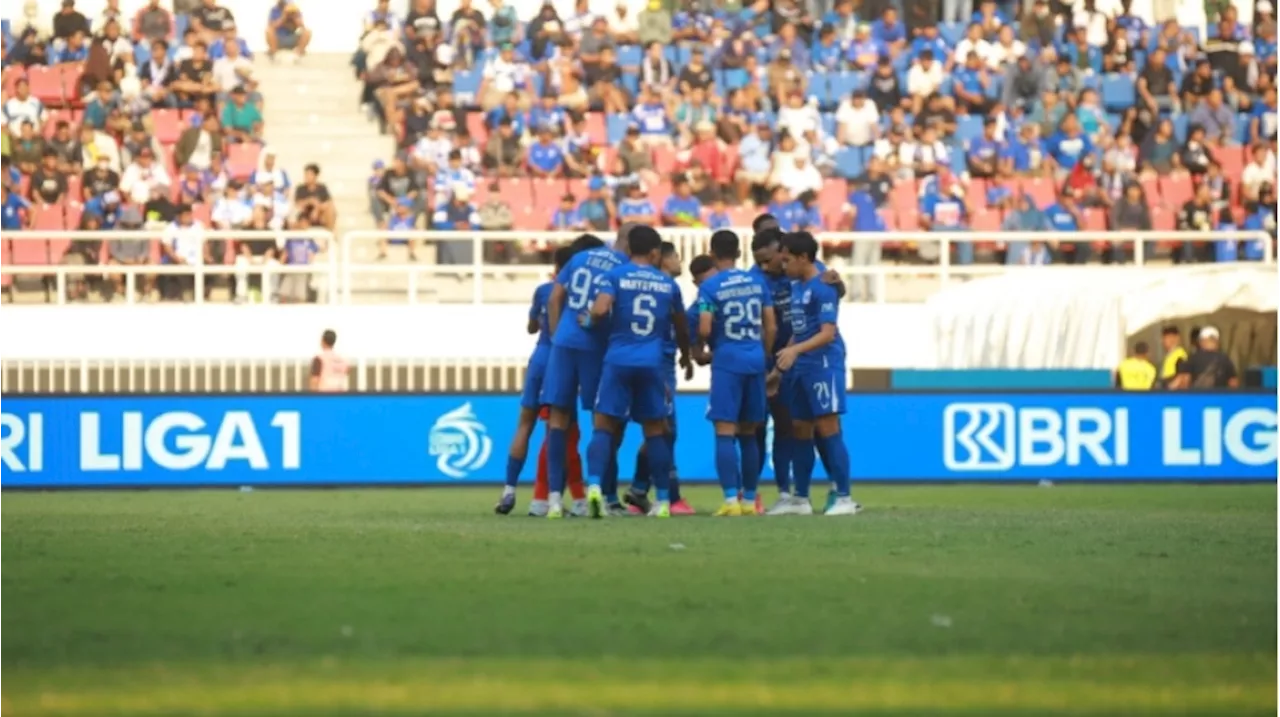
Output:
(642, 314)
(742, 320)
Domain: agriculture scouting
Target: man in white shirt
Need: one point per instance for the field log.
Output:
(857, 121)
(183, 245)
(23, 107)
(233, 69)
(431, 152)
(973, 42)
(504, 74)
(1005, 50)
(798, 176)
(231, 211)
(924, 78)
(1093, 22)
(624, 25)
(142, 176)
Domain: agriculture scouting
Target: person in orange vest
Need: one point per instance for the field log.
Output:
(328, 369)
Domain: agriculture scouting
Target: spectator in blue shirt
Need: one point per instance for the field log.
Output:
(1069, 144)
(682, 209)
(636, 206)
(944, 210)
(970, 85)
(597, 210)
(106, 207)
(99, 105)
(718, 218)
(1064, 216)
(547, 115)
(403, 218)
(1263, 119)
(653, 118)
(788, 212)
(73, 49)
(865, 51)
(285, 29)
(753, 160)
(985, 152)
(788, 42)
(13, 210)
(928, 39)
(545, 157)
(566, 217)
(218, 49)
(1025, 155)
(889, 31)
(827, 53)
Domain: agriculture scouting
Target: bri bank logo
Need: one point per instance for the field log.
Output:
(996, 437)
(460, 442)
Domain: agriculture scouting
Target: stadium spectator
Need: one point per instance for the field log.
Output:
(138, 138)
(15, 212)
(152, 23)
(565, 217)
(194, 79)
(143, 176)
(545, 158)
(312, 198)
(234, 69)
(456, 215)
(199, 143)
(183, 245)
(286, 29)
(48, 183)
(858, 121)
(1197, 215)
(23, 108)
(1260, 170)
(503, 154)
(69, 21)
(295, 288)
(209, 19)
(28, 148)
(636, 206)
(99, 179)
(1208, 367)
(252, 254)
(241, 119)
(128, 252)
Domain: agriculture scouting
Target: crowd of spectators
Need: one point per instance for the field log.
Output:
(152, 122)
(964, 116)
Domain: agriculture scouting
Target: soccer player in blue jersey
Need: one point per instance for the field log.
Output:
(815, 361)
(530, 397)
(736, 321)
(637, 497)
(577, 353)
(639, 304)
(766, 249)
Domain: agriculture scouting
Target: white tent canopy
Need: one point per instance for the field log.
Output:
(1070, 317)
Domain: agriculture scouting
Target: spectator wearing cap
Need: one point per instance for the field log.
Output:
(505, 74)
(199, 143)
(106, 207)
(286, 29)
(545, 158)
(457, 215)
(636, 207)
(1208, 367)
(565, 217)
(241, 119)
(128, 252)
(502, 153)
(654, 119)
(655, 24)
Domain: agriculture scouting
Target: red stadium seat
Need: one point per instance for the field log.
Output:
(1095, 220)
(832, 198)
(547, 193)
(908, 218)
(168, 125)
(46, 85)
(986, 220)
(11, 77)
(53, 117)
(904, 194)
(476, 127)
(1040, 189)
(1162, 218)
(71, 74)
(73, 212)
(742, 217)
(74, 190)
(596, 128)
(975, 194)
(6, 259)
(518, 193)
(169, 157)
(658, 194)
(201, 213)
(1151, 187)
(1232, 160)
(1176, 190)
(664, 160)
(48, 217)
(578, 188)
(29, 252)
(242, 159)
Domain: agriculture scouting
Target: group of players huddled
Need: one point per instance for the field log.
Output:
(613, 327)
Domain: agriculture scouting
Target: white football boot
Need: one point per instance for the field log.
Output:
(844, 506)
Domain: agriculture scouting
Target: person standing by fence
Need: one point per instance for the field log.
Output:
(328, 369)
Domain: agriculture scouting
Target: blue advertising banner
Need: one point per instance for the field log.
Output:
(82, 441)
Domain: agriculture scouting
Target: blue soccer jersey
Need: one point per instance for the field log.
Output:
(736, 301)
(780, 291)
(818, 385)
(633, 381)
(535, 372)
(573, 368)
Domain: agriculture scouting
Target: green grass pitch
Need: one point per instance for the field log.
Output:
(939, 600)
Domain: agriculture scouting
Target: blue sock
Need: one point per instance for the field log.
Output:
(640, 479)
(802, 465)
(557, 447)
(598, 456)
(750, 467)
(514, 466)
(609, 486)
(727, 466)
(675, 474)
(660, 465)
(836, 460)
(783, 450)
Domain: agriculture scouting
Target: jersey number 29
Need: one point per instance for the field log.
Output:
(742, 320)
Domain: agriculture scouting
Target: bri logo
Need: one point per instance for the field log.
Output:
(999, 437)
(460, 442)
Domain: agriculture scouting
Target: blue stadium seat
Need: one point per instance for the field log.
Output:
(1180, 128)
(828, 124)
(959, 160)
(141, 53)
(631, 83)
(616, 127)
(717, 76)
(968, 128)
(995, 88)
(734, 79)
(539, 81)
(820, 89)
(180, 23)
(849, 163)
(843, 84)
(630, 55)
(683, 54)
(466, 83)
(1118, 92)
(1092, 81)
(951, 32)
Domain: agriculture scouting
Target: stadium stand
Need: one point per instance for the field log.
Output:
(833, 115)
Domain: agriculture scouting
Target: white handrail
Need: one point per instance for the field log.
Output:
(199, 270)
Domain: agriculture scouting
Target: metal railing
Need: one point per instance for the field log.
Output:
(239, 376)
(341, 268)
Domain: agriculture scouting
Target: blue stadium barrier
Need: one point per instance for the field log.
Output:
(304, 440)
(1268, 377)
(999, 379)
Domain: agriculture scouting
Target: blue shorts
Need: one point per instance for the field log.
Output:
(736, 397)
(571, 372)
(638, 393)
(816, 392)
(534, 374)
